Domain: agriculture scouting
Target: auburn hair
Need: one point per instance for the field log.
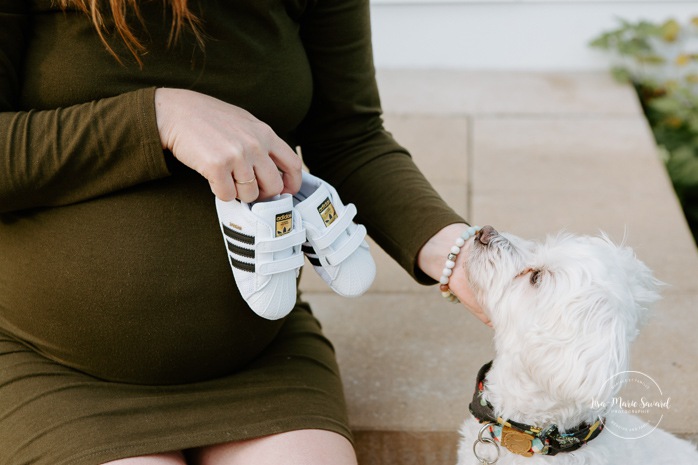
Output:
(182, 18)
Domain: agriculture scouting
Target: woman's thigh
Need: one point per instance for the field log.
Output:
(302, 447)
(172, 458)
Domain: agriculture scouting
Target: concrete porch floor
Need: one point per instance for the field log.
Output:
(533, 154)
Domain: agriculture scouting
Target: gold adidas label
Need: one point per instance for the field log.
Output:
(235, 226)
(284, 223)
(327, 213)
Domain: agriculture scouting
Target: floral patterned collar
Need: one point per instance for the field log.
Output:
(524, 439)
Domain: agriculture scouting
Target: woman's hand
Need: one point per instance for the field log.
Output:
(240, 156)
(432, 258)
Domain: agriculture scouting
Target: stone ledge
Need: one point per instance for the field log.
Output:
(418, 447)
(406, 447)
(449, 92)
(408, 358)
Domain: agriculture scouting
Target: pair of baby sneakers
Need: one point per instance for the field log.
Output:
(267, 242)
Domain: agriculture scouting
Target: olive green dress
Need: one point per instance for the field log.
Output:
(122, 332)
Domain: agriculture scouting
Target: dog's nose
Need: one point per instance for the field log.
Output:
(485, 234)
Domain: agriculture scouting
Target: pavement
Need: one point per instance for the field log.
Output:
(533, 154)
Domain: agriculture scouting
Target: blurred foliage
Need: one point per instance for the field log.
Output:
(661, 61)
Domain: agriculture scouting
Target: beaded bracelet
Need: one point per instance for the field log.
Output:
(451, 263)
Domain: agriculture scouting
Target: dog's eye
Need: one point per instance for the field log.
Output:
(536, 277)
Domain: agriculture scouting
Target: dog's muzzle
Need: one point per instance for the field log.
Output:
(485, 234)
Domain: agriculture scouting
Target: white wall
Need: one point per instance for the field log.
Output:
(505, 34)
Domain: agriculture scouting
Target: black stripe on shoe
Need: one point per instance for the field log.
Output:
(310, 254)
(237, 250)
(249, 267)
(238, 236)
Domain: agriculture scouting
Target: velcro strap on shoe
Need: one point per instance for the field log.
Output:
(340, 225)
(293, 262)
(338, 256)
(277, 244)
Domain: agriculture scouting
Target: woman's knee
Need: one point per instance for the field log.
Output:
(171, 458)
(302, 447)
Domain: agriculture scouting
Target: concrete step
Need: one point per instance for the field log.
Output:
(531, 154)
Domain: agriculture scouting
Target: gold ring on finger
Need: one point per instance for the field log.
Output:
(254, 178)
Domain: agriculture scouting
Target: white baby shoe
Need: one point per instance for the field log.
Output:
(335, 244)
(264, 246)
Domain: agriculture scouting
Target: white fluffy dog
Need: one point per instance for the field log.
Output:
(564, 313)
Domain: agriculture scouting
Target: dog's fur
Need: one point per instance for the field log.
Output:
(564, 313)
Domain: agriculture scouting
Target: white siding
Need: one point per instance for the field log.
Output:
(505, 34)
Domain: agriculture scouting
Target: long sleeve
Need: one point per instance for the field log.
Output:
(66, 155)
(344, 142)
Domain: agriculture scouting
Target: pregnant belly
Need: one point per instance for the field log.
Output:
(133, 287)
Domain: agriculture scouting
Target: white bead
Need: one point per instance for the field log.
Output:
(451, 260)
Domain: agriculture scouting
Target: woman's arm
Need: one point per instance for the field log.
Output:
(62, 156)
(432, 260)
(344, 142)
(65, 155)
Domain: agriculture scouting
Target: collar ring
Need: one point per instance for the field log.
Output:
(482, 440)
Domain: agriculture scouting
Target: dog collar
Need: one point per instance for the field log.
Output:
(524, 439)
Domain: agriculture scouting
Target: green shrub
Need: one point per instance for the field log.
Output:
(661, 60)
